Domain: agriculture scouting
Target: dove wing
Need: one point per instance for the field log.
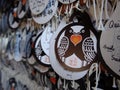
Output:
(88, 49)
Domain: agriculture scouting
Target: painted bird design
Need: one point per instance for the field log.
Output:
(77, 40)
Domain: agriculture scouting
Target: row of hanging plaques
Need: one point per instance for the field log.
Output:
(71, 47)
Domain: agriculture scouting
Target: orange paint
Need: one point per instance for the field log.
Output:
(53, 80)
(75, 39)
(63, 8)
(15, 14)
(23, 2)
(12, 88)
(103, 68)
(32, 45)
(82, 2)
(33, 72)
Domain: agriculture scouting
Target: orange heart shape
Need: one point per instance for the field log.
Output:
(75, 39)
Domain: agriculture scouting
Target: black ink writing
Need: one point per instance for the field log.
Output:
(69, 75)
(118, 37)
(115, 58)
(110, 49)
(113, 24)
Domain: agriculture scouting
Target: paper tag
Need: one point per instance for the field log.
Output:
(37, 6)
(39, 53)
(75, 47)
(58, 68)
(13, 20)
(110, 42)
(48, 13)
(46, 39)
(22, 8)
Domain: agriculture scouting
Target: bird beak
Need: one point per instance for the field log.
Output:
(75, 39)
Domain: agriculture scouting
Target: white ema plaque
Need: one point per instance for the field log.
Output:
(110, 42)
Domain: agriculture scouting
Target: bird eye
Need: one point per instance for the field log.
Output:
(70, 31)
(82, 31)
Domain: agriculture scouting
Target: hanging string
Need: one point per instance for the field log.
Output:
(64, 85)
(114, 83)
(100, 25)
(113, 7)
(106, 10)
(98, 72)
(73, 83)
(95, 13)
(95, 67)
